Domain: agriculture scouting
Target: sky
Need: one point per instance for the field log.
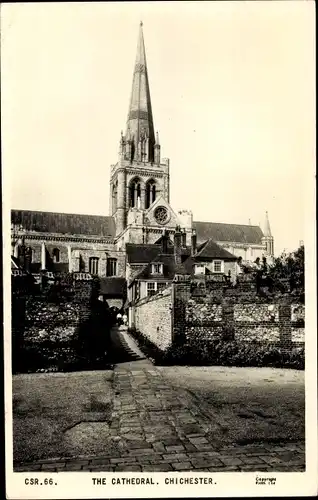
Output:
(233, 96)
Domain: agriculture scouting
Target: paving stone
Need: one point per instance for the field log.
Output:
(271, 459)
(172, 441)
(189, 447)
(74, 466)
(142, 451)
(290, 457)
(251, 460)
(203, 447)
(226, 468)
(175, 448)
(128, 460)
(256, 468)
(53, 465)
(231, 460)
(159, 446)
(128, 468)
(175, 456)
(206, 462)
(98, 468)
(182, 465)
(100, 461)
(31, 467)
(157, 468)
(198, 440)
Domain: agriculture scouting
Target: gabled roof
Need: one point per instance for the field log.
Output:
(159, 241)
(211, 250)
(144, 253)
(141, 253)
(75, 224)
(218, 231)
(113, 286)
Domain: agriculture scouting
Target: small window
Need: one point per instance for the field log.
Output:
(157, 268)
(111, 267)
(199, 269)
(93, 265)
(151, 289)
(56, 255)
(217, 266)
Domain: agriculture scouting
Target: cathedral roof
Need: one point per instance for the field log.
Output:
(218, 231)
(53, 222)
(211, 250)
(140, 120)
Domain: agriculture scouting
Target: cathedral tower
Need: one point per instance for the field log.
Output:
(140, 176)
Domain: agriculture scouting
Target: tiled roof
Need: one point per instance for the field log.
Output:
(113, 286)
(211, 250)
(53, 222)
(144, 253)
(139, 254)
(169, 268)
(228, 232)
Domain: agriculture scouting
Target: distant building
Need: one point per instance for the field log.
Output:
(121, 244)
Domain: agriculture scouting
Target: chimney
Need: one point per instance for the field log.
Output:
(184, 239)
(177, 246)
(164, 242)
(193, 242)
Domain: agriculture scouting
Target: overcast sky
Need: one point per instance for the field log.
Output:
(232, 89)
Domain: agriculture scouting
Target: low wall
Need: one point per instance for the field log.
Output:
(152, 317)
(55, 328)
(244, 316)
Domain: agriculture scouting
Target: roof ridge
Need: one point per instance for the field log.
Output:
(57, 213)
(226, 223)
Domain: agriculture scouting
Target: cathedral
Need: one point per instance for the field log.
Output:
(117, 246)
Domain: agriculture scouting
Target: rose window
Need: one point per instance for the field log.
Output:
(161, 215)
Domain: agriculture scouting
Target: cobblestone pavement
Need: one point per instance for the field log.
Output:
(155, 428)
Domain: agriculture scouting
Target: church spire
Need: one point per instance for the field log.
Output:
(267, 227)
(140, 120)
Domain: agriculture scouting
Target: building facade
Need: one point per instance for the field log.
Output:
(139, 209)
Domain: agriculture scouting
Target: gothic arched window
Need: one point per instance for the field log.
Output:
(56, 255)
(150, 193)
(134, 192)
(93, 265)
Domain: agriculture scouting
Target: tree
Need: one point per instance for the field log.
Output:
(291, 268)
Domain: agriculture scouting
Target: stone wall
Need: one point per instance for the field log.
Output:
(83, 248)
(152, 317)
(186, 312)
(219, 311)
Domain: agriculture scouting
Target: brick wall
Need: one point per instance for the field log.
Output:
(152, 317)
